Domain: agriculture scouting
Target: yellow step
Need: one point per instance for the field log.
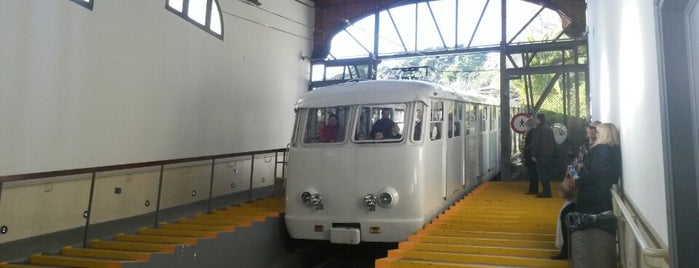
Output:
(482, 242)
(484, 234)
(221, 222)
(477, 259)
(132, 246)
(239, 214)
(494, 228)
(196, 227)
(225, 216)
(22, 265)
(470, 249)
(270, 205)
(157, 239)
(402, 263)
(175, 232)
(543, 223)
(251, 211)
(105, 254)
(73, 261)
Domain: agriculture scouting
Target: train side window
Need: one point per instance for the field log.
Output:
(205, 14)
(437, 116)
(381, 123)
(468, 110)
(484, 114)
(458, 118)
(450, 119)
(85, 3)
(417, 128)
(326, 125)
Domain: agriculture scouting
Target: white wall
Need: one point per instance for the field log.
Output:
(30, 209)
(131, 82)
(625, 90)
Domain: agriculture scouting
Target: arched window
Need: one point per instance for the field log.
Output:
(205, 14)
(86, 3)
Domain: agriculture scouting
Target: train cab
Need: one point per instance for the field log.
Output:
(375, 160)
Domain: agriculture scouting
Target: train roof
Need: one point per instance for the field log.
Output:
(379, 92)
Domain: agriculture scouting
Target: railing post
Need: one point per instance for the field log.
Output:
(89, 209)
(211, 185)
(276, 162)
(160, 189)
(284, 164)
(252, 172)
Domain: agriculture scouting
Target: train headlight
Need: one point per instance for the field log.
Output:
(388, 197)
(311, 197)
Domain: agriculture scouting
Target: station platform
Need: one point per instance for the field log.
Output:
(496, 225)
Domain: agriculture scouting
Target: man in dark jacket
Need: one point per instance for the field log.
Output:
(385, 125)
(543, 148)
(528, 162)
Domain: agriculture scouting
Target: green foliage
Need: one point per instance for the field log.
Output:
(458, 71)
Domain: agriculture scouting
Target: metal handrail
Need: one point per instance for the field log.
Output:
(646, 249)
(39, 175)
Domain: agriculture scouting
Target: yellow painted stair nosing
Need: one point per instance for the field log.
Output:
(75, 262)
(177, 232)
(105, 254)
(156, 239)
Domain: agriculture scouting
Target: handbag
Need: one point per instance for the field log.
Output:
(581, 221)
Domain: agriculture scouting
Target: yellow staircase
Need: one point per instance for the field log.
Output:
(126, 248)
(497, 225)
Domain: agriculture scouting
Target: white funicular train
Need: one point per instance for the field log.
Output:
(347, 183)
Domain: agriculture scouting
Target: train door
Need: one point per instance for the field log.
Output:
(454, 148)
(493, 140)
(484, 141)
(434, 152)
(471, 144)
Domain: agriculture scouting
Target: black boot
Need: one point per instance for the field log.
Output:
(563, 255)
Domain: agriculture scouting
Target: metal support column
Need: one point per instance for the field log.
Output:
(505, 133)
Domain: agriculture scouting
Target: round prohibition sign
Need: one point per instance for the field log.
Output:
(518, 122)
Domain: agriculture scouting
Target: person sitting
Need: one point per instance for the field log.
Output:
(418, 126)
(575, 168)
(593, 243)
(378, 136)
(385, 125)
(330, 131)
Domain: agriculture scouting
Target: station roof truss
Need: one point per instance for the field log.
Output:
(334, 16)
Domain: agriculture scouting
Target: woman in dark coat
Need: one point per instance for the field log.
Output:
(602, 170)
(595, 245)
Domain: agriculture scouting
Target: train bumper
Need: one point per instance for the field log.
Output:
(348, 231)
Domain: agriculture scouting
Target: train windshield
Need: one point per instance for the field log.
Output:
(380, 123)
(326, 125)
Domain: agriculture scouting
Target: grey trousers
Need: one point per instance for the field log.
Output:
(593, 248)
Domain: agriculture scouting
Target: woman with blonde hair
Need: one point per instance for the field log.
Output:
(592, 224)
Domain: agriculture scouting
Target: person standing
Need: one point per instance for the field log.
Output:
(528, 162)
(543, 148)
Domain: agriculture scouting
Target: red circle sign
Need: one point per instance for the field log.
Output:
(518, 122)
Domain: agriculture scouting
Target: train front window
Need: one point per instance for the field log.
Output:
(380, 123)
(326, 125)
